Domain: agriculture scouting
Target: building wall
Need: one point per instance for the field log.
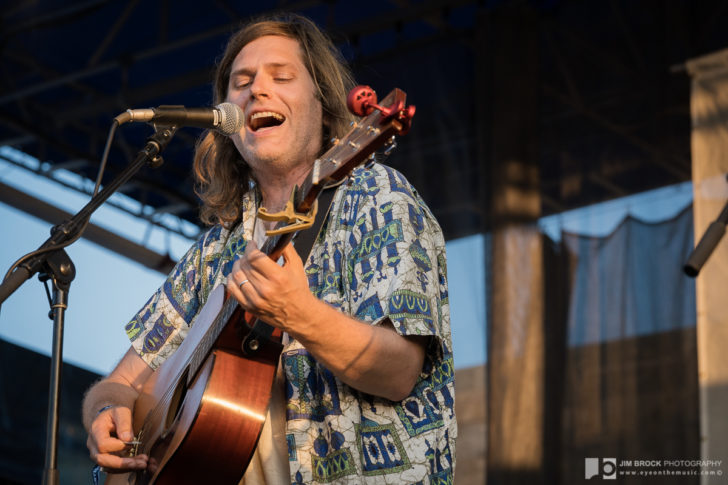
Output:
(470, 409)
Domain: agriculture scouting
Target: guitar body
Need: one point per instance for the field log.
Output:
(196, 426)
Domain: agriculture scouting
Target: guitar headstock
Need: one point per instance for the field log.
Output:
(378, 126)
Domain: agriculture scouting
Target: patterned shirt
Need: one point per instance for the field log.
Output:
(381, 256)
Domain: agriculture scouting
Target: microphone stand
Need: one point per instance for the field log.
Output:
(55, 264)
(707, 244)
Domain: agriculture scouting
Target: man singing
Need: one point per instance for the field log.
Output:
(364, 390)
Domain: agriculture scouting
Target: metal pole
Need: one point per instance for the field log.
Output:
(51, 475)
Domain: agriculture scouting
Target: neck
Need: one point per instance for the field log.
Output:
(276, 187)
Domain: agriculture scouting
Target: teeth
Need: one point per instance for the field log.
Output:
(265, 118)
(266, 114)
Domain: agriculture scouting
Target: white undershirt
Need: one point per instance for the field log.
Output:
(269, 464)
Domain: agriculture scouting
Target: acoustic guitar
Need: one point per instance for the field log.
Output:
(200, 415)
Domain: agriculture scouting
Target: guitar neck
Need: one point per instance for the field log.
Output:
(207, 342)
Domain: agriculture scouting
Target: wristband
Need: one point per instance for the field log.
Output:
(108, 406)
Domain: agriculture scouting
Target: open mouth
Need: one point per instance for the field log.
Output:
(265, 119)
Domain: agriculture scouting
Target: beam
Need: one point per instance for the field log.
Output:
(113, 32)
(672, 163)
(385, 21)
(145, 185)
(110, 65)
(390, 19)
(106, 239)
(93, 70)
(63, 14)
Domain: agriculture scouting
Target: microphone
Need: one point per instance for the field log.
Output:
(225, 118)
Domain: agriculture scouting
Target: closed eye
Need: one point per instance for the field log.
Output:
(241, 84)
(240, 80)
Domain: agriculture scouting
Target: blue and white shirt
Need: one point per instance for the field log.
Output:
(381, 255)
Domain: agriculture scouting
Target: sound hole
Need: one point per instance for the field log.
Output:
(175, 403)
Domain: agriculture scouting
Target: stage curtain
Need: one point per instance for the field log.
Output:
(621, 358)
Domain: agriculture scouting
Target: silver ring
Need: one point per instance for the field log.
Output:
(240, 285)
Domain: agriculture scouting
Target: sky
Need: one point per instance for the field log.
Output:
(109, 289)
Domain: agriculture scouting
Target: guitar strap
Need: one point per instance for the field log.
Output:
(305, 239)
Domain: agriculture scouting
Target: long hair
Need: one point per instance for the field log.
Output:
(222, 176)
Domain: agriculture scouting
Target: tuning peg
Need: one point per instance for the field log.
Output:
(390, 146)
(362, 100)
(371, 159)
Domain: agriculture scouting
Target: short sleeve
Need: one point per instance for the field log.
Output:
(160, 326)
(393, 256)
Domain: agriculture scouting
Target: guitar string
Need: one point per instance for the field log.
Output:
(193, 361)
(205, 343)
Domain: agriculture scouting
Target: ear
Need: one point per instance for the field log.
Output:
(325, 133)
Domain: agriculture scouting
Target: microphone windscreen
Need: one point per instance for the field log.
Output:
(232, 120)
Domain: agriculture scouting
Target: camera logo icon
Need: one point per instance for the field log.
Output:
(605, 468)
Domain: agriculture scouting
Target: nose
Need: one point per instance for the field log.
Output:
(259, 87)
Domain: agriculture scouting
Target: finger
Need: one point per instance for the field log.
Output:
(252, 246)
(244, 291)
(256, 261)
(117, 459)
(118, 464)
(238, 277)
(237, 274)
(258, 275)
(122, 420)
(236, 280)
(291, 256)
(93, 450)
(100, 438)
(109, 444)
